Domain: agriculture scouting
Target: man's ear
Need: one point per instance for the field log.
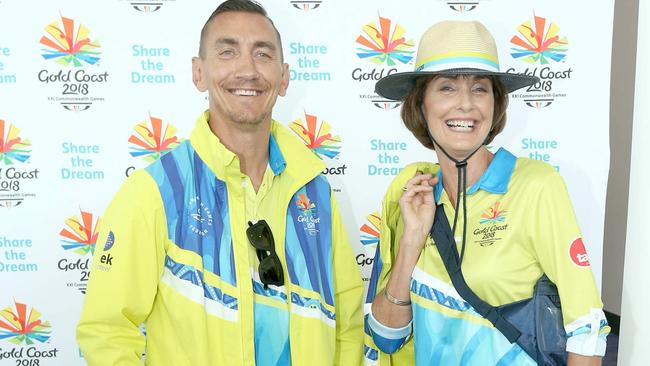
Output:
(197, 74)
(285, 80)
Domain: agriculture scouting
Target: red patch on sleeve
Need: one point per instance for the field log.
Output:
(578, 253)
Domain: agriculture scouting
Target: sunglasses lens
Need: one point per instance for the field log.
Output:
(270, 271)
(260, 237)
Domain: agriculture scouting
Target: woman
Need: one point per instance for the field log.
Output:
(511, 217)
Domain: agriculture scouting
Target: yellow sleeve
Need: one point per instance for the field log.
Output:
(562, 255)
(390, 232)
(560, 249)
(348, 295)
(127, 265)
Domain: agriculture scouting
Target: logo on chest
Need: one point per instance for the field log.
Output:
(307, 217)
(492, 225)
(199, 216)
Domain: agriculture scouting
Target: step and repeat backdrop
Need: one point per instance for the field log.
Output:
(92, 90)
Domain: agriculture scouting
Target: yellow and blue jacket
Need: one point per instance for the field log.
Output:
(173, 255)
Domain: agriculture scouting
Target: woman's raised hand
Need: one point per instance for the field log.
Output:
(418, 208)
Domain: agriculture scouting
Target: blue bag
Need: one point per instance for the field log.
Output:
(535, 324)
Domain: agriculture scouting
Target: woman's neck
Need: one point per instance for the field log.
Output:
(476, 166)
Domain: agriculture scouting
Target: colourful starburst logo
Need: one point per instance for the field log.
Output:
(67, 46)
(22, 326)
(305, 204)
(80, 236)
(370, 230)
(539, 43)
(385, 44)
(493, 214)
(12, 147)
(317, 136)
(153, 140)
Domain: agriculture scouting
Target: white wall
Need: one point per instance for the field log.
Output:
(635, 317)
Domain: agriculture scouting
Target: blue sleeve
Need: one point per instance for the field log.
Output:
(387, 339)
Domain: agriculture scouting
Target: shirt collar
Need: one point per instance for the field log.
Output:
(495, 179)
(209, 146)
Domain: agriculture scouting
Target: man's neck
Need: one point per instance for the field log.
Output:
(250, 144)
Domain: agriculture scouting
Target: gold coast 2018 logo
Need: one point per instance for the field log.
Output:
(319, 139)
(29, 335)
(79, 236)
(148, 6)
(16, 170)
(493, 225)
(543, 50)
(369, 237)
(385, 46)
(77, 55)
(307, 217)
(462, 6)
(306, 5)
(152, 139)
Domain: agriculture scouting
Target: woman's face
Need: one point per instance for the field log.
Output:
(459, 112)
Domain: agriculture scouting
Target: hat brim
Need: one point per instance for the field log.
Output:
(397, 86)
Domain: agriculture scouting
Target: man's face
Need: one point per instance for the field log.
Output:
(241, 68)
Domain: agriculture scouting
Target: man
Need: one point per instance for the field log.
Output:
(230, 248)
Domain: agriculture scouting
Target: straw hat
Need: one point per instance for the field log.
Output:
(453, 48)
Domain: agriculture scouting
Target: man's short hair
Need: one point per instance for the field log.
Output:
(246, 6)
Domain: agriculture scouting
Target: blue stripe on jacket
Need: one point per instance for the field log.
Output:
(196, 207)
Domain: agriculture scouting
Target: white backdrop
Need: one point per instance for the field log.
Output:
(72, 128)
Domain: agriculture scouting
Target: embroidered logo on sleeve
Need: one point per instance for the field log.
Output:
(106, 260)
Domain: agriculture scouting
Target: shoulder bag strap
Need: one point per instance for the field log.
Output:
(444, 241)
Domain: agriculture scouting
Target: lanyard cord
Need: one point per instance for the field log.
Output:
(461, 165)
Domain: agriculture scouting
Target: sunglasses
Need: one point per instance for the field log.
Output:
(270, 269)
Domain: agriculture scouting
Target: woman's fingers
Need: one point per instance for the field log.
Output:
(433, 181)
(415, 197)
(417, 189)
(418, 180)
